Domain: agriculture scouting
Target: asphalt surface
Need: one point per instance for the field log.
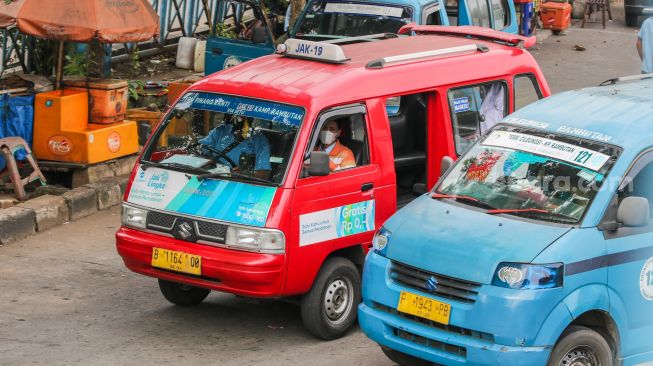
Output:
(66, 298)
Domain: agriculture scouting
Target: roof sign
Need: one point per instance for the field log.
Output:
(364, 9)
(574, 154)
(317, 51)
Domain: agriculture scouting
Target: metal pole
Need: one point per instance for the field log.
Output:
(59, 84)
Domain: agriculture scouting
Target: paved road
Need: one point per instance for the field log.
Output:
(66, 298)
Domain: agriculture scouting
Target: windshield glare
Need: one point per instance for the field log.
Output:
(550, 178)
(226, 137)
(351, 19)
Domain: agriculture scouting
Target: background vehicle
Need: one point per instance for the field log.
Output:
(636, 8)
(323, 20)
(200, 223)
(535, 247)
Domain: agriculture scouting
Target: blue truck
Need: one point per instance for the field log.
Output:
(535, 248)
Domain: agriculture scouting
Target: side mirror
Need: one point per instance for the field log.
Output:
(445, 164)
(319, 164)
(633, 211)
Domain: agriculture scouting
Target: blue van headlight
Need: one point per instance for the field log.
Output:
(528, 276)
(381, 239)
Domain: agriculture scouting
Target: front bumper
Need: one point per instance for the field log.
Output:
(225, 270)
(498, 328)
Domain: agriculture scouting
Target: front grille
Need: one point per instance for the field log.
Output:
(430, 343)
(212, 230)
(444, 327)
(160, 220)
(206, 230)
(447, 287)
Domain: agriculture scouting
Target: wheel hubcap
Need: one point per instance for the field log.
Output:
(338, 300)
(580, 356)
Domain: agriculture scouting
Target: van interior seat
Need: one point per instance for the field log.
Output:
(408, 128)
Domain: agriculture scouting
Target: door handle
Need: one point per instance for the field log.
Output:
(366, 187)
(217, 51)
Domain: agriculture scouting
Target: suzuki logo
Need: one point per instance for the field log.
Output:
(185, 231)
(432, 283)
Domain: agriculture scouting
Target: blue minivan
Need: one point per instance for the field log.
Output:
(243, 31)
(534, 248)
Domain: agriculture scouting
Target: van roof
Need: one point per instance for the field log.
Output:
(420, 3)
(320, 84)
(618, 114)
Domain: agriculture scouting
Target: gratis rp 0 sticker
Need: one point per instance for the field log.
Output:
(646, 280)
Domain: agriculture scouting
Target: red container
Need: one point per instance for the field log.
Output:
(555, 16)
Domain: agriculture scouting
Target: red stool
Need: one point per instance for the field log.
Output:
(8, 147)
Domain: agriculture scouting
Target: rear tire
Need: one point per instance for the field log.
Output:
(182, 295)
(581, 346)
(330, 309)
(403, 359)
(631, 19)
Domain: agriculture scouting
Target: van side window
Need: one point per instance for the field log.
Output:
(474, 110)
(408, 130)
(432, 15)
(479, 12)
(499, 13)
(640, 186)
(526, 90)
(452, 11)
(344, 137)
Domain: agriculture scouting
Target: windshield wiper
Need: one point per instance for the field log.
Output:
(471, 200)
(531, 210)
(172, 166)
(237, 175)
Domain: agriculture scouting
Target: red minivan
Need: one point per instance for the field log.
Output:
(270, 178)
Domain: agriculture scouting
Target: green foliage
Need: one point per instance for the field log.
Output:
(134, 87)
(81, 63)
(224, 31)
(44, 56)
(7, 2)
(134, 61)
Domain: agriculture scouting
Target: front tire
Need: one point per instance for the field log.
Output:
(581, 346)
(181, 294)
(330, 308)
(403, 359)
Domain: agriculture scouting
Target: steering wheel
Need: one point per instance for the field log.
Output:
(212, 149)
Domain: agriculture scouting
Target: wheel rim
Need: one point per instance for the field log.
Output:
(580, 356)
(338, 300)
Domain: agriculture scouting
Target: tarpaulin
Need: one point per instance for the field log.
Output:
(8, 12)
(16, 120)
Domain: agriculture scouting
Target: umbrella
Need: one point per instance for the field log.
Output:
(107, 21)
(8, 12)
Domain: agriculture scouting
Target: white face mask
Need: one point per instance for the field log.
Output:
(327, 137)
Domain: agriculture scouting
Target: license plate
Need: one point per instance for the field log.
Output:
(176, 261)
(424, 307)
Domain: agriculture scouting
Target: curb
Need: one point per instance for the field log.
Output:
(45, 212)
(543, 34)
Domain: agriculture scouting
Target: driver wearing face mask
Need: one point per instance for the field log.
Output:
(340, 156)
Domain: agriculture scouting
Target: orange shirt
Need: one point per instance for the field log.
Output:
(340, 157)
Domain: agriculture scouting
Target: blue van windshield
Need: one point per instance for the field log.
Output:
(334, 19)
(550, 178)
(221, 136)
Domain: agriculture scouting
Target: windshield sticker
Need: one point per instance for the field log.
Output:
(576, 155)
(337, 222)
(461, 104)
(584, 133)
(364, 9)
(526, 122)
(235, 202)
(275, 112)
(480, 168)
